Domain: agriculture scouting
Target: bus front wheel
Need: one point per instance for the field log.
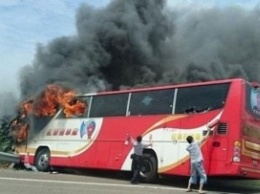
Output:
(42, 162)
(149, 169)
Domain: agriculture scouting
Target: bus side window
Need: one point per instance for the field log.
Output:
(152, 102)
(109, 105)
(197, 98)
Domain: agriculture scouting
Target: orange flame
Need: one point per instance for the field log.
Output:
(47, 103)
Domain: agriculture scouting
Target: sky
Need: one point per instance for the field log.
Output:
(26, 23)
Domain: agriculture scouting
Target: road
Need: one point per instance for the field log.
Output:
(28, 182)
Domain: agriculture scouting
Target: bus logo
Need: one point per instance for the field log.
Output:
(87, 128)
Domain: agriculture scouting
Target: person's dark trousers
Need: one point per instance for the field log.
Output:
(137, 166)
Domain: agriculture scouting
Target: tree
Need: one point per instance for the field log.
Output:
(6, 139)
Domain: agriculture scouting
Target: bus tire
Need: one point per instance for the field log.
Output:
(42, 161)
(148, 172)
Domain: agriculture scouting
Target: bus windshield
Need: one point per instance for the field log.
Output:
(253, 100)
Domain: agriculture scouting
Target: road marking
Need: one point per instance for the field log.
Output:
(92, 183)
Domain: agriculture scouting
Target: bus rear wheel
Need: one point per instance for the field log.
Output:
(42, 161)
(149, 169)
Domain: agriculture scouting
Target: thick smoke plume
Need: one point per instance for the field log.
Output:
(133, 43)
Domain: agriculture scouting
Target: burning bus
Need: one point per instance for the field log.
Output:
(91, 131)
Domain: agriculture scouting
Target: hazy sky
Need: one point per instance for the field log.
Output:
(25, 23)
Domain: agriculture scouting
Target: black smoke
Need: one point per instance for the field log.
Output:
(141, 42)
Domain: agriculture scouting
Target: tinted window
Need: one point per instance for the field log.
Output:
(200, 98)
(253, 100)
(78, 107)
(109, 105)
(151, 102)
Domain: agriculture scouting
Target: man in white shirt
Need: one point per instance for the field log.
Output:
(196, 160)
(197, 167)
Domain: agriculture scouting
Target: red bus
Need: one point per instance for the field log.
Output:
(169, 114)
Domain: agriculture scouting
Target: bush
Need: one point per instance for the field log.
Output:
(6, 139)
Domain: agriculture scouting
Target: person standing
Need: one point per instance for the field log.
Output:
(197, 166)
(137, 157)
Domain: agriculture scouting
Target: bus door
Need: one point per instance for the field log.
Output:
(116, 155)
(116, 150)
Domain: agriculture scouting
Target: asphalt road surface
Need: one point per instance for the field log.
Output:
(93, 182)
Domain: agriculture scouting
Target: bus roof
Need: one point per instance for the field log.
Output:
(146, 88)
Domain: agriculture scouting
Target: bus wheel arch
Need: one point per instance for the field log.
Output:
(42, 158)
(149, 172)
